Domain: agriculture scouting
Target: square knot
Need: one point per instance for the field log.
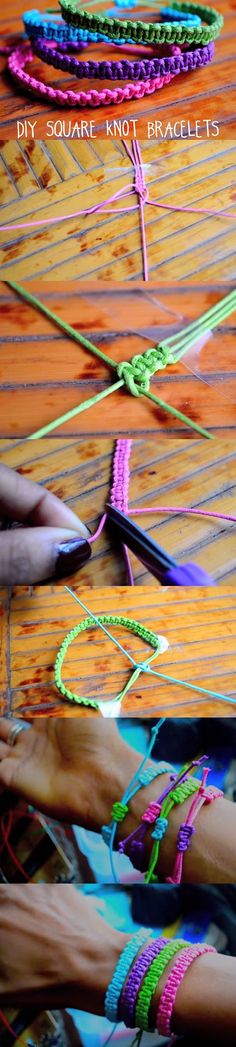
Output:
(184, 837)
(185, 790)
(212, 793)
(147, 776)
(119, 810)
(137, 372)
(160, 828)
(151, 813)
(137, 855)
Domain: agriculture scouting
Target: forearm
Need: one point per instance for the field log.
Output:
(70, 967)
(211, 857)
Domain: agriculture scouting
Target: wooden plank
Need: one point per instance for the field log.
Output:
(196, 474)
(49, 375)
(200, 630)
(207, 94)
(180, 246)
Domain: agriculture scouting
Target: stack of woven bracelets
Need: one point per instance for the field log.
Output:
(183, 40)
(129, 996)
(182, 786)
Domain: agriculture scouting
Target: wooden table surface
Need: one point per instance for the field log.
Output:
(49, 374)
(207, 94)
(200, 630)
(197, 474)
(41, 180)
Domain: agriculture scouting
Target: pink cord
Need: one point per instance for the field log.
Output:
(120, 490)
(183, 509)
(187, 829)
(121, 475)
(137, 512)
(168, 997)
(139, 187)
(119, 494)
(21, 57)
(99, 530)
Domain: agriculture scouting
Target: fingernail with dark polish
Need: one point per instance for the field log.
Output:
(71, 555)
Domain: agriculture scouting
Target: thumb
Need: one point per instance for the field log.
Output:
(38, 554)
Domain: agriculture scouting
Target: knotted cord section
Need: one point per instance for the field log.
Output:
(120, 490)
(138, 371)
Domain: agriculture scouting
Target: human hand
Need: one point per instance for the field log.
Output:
(74, 770)
(55, 949)
(51, 541)
(69, 769)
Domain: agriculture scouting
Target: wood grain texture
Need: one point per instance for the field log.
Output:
(49, 374)
(198, 474)
(41, 180)
(200, 630)
(207, 94)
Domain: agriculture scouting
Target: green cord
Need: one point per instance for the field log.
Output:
(105, 619)
(145, 32)
(136, 373)
(75, 410)
(32, 300)
(178, 414)
(150, 982)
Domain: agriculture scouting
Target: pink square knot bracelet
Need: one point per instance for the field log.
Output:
(168, 997)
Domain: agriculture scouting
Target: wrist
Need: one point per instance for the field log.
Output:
(91, 968)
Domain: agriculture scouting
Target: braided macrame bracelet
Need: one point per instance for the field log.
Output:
(36, 24)
(124, 69)
(88, 623)
(133, 984)
(121, 971)
(22, 56)
(168, 997)
(186, 831)
(151, 981)
(146, 32)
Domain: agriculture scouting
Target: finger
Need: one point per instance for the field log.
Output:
(5, 728)
(29, 503)
(4, 750)
(41, 554)
(6, 724)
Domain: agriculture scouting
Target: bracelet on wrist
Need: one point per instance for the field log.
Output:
(130, 995)
(168, 997)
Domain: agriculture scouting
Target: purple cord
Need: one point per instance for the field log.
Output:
(135, 840)
(131, 989)
(122, 69)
